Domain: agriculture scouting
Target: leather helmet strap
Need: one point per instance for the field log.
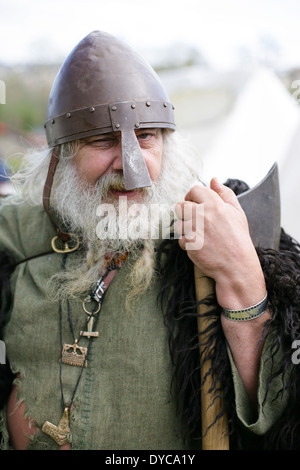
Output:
(47, 191)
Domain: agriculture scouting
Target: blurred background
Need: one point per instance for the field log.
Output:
(231, 69)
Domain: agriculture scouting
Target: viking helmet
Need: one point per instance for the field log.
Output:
(105, 86)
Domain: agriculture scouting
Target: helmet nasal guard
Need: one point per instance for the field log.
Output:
(105, 86)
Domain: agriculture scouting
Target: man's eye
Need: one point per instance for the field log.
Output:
(145, 135)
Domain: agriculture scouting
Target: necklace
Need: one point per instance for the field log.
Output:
(77, 355)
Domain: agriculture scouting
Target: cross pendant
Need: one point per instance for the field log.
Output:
(90, 331)
(59, 433)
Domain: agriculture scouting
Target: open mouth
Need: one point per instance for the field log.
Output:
(120, 190)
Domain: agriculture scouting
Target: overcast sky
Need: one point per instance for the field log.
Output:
(224, 30)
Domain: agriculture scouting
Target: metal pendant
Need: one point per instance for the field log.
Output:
(90, 333)
(74, 355)
(68, 246)
(59, 433)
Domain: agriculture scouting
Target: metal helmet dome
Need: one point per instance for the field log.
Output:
(105, 86)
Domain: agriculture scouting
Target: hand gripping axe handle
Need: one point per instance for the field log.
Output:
(261, 205)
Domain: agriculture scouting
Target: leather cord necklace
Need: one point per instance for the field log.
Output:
(78, 355)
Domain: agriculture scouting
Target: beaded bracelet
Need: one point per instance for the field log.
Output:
(247, 313)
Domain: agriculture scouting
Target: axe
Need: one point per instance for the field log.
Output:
(261, 205)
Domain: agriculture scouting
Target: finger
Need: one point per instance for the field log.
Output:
(225, 193)
(187, 227)
(192, 242)
(197, 194)
(184, 210)
(190, 233)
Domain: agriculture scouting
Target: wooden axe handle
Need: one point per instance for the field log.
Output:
(216, 438)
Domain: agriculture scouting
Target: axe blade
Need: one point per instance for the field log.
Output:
(261, 205)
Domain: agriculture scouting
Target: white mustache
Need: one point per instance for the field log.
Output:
(112, 182)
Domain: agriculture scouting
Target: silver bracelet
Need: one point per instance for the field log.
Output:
(247, 313)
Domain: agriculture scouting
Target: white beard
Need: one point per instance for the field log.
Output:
(107, 225)
(113, 225)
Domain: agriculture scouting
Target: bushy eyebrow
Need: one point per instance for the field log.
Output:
(95, 138)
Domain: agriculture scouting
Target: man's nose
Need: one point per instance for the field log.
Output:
(117, 163)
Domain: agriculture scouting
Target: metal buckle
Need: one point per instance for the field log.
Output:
(66, 248)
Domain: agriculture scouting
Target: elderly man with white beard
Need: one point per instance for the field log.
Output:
(101, 338)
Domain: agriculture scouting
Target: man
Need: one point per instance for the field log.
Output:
(101, 335)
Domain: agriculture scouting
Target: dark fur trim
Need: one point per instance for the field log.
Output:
(282, 273)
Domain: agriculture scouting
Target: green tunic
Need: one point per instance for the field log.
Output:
(124, 399)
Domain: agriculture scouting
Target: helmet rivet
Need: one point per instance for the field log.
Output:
(148, 103)
(133, 106)
(92, 110)
(137, 125)
(113, 108)
(68, 115)
(53, 121)
(165, 105)
(117, 126)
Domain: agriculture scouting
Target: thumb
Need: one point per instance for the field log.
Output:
(224, 192)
